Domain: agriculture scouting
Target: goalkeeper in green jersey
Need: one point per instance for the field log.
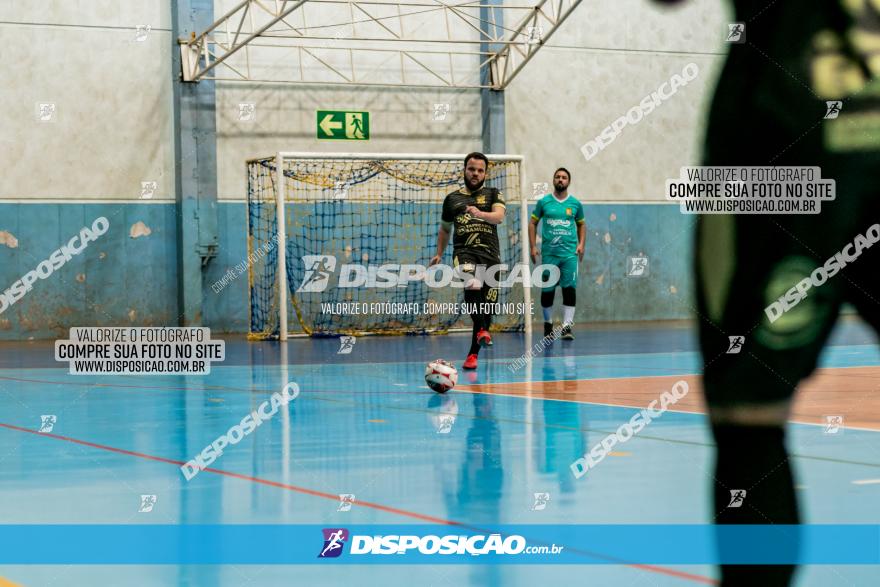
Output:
(562, 244)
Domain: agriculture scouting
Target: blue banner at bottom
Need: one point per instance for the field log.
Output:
(451, 544)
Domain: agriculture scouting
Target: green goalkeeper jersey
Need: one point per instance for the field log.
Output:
(560, 220)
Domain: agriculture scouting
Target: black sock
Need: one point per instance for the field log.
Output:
(485, 294)
(475, 346)
(473, 296)
(754, 459)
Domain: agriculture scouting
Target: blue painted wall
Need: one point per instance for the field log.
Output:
(227, 311)
(116, 280)
(120, 280)
(618, 231)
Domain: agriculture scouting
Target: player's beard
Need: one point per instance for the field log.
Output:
(471, 187)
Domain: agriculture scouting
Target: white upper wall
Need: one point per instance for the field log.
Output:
(607, 57)
(112, 125)
(111, 128)
(401, 119)
(88, 13)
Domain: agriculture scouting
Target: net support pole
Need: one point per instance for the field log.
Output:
(282, 246)
(524, 249)
(285, 430)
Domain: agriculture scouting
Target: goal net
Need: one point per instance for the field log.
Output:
(344, 221)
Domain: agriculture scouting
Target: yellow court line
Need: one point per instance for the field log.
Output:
(8, 583)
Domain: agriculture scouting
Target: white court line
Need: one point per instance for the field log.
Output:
(592, 403)
(867, 482)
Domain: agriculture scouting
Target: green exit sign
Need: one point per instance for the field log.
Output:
(341, 124)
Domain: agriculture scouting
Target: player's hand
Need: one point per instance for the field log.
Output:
(434, 260)
(580, 252)
(534, 254)
(473, 211)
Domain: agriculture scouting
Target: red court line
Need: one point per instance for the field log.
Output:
(112, 385)
(204, 388)
(335, 498)
(312, 492)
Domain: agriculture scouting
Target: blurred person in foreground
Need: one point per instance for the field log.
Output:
(799, 88)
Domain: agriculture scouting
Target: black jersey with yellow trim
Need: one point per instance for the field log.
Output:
(473, 235)
(803, 78)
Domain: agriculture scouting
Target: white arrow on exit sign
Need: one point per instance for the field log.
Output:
(328, 126)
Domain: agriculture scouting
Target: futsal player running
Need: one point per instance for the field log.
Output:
(770, 108)
(563, 235)
(474, 211)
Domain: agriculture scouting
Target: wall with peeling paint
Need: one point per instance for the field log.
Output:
(123, 278)
(129, 275)
(616, 232)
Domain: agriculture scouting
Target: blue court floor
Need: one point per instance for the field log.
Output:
(365, 424)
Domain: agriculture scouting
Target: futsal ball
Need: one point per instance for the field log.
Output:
(441, 375)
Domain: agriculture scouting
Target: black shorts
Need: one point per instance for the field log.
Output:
(745, 263)
(469, 261)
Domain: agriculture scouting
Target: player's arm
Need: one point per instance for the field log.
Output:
(582, 232)
(533, 230)
(442, 241)
(533, 238)
(446, 219)
(582, 240)
(496, 216)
